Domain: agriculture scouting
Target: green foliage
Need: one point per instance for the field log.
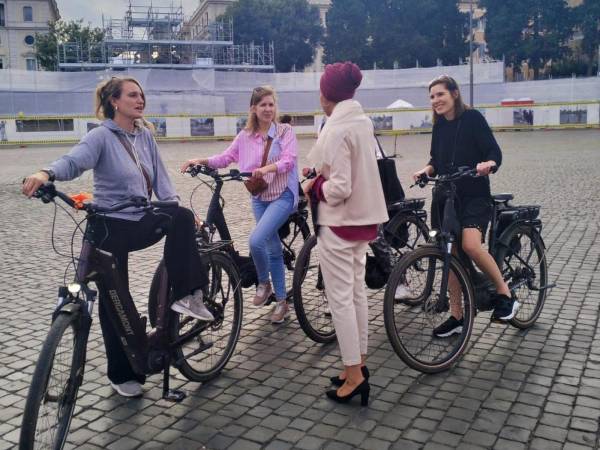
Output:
(294, 27)
(395, 33)
(61, 32)
(536, 31)
(587, 19)
(347, 37)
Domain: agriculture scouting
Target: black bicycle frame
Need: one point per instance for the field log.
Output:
(215, 212)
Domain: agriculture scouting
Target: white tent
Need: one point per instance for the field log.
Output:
(400, 104)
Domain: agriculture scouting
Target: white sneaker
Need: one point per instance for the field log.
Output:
(193, 305)
(280, 312)
(128, 389)
(402, 292)
(263, 292)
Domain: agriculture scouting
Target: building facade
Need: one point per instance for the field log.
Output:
(20, 20)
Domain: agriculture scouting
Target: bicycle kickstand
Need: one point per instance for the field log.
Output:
(172, 395)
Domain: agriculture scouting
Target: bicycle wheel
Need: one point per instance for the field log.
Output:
(522, 260)
(310, 300)
(202, 357)
(405, 232)
(154, 292)
(410, 326)
(56, 380)
(293, 235)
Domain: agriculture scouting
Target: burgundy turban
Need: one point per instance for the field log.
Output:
(339, 81)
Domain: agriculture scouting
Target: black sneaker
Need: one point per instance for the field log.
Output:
(449, 327)
(505, 307)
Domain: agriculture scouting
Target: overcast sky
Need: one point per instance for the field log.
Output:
(92, 10)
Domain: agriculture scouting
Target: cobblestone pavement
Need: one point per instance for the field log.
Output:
(513, 389)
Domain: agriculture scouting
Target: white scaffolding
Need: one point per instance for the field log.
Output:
(152, 36)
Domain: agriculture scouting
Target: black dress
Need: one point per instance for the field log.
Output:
(465, 141)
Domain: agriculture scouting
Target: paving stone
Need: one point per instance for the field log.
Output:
(512, 389)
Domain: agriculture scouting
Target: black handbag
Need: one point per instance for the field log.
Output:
(392, 189)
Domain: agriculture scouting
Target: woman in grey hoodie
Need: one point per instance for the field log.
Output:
(126, 163)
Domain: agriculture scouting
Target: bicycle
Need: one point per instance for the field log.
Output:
(293, 233)
(175, 341)
(515, 242)
(406, 230)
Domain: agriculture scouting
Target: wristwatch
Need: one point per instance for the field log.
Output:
(50, 173)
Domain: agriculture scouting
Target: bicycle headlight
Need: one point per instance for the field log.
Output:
(74, 288)
(433, 234)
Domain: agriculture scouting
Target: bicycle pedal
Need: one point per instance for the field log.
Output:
(174, 395)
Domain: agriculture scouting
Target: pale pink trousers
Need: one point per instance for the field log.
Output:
(343, 267)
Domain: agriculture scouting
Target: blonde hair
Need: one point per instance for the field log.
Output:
(112, 89)
(452, 86)
(258, 94)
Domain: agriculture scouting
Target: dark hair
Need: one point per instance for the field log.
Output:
(452, 86)
(286, 118)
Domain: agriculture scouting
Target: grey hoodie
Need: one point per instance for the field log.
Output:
(116, 176)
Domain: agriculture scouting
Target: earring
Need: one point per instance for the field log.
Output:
(116, 108)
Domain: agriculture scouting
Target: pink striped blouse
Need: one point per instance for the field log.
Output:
(247, 150)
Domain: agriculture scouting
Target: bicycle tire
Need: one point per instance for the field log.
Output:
(35, 431)
(517, 246)
(229, 321)
(291, 248)
(396, 237)
(153, 293)
(310, 300)
(417, 232)
(409, 326)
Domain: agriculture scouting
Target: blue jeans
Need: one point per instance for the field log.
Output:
(265, 246)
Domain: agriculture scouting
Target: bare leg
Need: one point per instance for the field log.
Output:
(354, 377)
(471, 244)
(362, 363)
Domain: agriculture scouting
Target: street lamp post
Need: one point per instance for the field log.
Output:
(471, 52)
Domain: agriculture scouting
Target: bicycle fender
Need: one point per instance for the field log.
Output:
(68, 308)
(535, 226)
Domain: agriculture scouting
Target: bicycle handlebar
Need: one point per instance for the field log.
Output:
(47, 192)
(462, 172)
(233, 174)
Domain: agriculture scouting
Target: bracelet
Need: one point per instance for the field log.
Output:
(50, 173)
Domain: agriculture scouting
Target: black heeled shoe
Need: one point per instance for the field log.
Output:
(337, 381)
(363, 389)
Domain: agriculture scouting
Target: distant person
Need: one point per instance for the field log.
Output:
(351, 204)
(124, 157)
(286, 118)
(462, 137)
(268, 149)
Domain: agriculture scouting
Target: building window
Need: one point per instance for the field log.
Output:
(27, 14)
(2, 20)
(1, 64)
(31, 64)
(29, 39)
(29, 126)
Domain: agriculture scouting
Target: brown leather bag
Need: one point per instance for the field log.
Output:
(257, 185)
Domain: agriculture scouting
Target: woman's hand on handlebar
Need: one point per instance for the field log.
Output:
(427, 170)
(485, 168)
(33, 182)
(193, 162)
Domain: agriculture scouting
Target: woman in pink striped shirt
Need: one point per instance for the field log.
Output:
(273, 206)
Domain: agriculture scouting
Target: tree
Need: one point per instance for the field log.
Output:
(347, 36)
(405, 31)
(535, 31)
(293, 26)
(62, 32)
(587, 17)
